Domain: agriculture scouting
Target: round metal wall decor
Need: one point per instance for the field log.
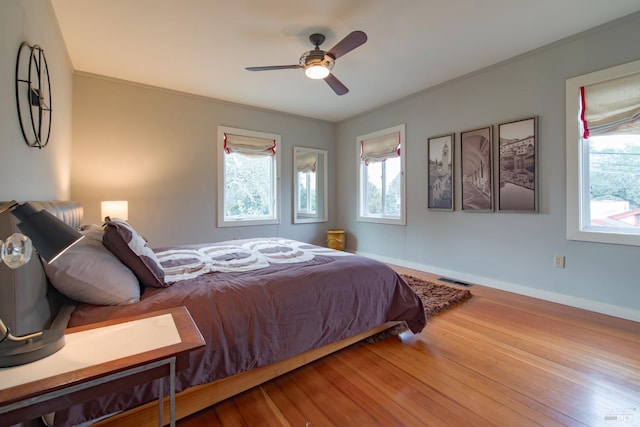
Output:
(33, 95)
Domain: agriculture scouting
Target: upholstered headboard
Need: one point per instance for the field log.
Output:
(27, 302)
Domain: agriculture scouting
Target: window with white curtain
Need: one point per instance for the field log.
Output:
(603, 155)
(381, 179)
(248, 176)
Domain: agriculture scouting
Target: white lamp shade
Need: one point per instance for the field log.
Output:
(115, 209)
(316, 71)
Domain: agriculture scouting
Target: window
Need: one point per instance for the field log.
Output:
(248, 176)
(603, 156)
(307, 193)
(381, 183)
(309, 184)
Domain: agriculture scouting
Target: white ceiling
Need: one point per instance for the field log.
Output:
(203, 46)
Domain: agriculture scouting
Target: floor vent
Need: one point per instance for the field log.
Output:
(455, 282)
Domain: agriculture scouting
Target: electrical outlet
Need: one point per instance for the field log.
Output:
(558, 261)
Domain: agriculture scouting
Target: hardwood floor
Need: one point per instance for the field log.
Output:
(498, 359)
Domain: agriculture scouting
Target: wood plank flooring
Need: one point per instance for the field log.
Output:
(499, 359)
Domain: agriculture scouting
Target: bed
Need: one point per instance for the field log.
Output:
(265, 306)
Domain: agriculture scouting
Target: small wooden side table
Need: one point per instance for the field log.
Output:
(99, 359)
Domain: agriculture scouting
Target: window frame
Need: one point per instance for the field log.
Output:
(577, 159)
(321, 182)
(361, 193)
(275, 219)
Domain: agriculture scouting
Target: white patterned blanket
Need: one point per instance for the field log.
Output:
(236, 256)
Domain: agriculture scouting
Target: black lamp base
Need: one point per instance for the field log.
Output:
(14, 353)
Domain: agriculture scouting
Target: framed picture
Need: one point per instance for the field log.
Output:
(476, 157)
(518, 165)
(440, 172)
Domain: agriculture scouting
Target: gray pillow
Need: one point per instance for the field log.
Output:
(130, 248)
(88, 272)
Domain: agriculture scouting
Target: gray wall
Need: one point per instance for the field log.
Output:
(503, 250)
(157, 149)
(29, 173)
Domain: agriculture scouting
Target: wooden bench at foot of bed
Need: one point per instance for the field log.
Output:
(196, 398)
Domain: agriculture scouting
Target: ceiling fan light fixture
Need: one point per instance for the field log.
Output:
(317, 71)
(317, 63)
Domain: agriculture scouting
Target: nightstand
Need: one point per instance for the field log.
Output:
(98, 359)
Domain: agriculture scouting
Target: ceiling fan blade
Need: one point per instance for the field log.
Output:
(336, 84)
(347, 44)
(273, 67)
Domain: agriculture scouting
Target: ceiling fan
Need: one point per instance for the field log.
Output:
(317, 63)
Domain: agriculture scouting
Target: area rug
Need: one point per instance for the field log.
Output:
(435, 299)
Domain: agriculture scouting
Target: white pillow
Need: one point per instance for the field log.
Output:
(88, 272)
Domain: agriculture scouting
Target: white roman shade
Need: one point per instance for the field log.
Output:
(249, 145)
(611, 107)
(306, 162)
(380, 148)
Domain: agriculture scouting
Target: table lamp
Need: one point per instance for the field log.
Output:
(114, 209)
(51, 237)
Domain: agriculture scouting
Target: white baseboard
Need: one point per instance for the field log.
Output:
(596, 306)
